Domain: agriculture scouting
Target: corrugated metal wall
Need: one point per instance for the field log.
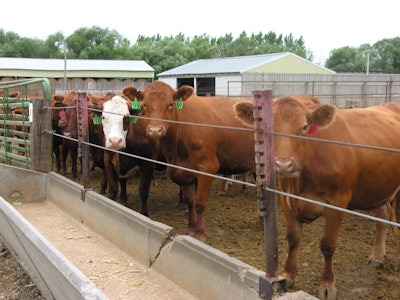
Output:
(342, 90)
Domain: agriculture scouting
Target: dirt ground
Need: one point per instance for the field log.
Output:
(232, 227)
(15, 284)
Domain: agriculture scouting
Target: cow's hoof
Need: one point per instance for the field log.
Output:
(375, 263)
(325, 294)
(198, 236)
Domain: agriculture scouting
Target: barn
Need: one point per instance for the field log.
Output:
(94, 76)
(225, 76)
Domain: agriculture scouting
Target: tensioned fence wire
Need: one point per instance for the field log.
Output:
(316, 202)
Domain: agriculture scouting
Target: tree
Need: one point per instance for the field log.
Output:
(388, 55)
(8, 44)
(383, 56)
(95, 43)
(30, 48)
(344, 59)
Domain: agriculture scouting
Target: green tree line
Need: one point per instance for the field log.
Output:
(167, 52)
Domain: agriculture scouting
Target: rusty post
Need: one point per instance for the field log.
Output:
(83, 137)
(271, 283)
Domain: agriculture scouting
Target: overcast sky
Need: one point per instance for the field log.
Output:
(324, 25)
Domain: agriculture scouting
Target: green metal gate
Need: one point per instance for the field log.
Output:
(16, 117)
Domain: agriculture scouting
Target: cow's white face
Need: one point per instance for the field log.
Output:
(115, 122)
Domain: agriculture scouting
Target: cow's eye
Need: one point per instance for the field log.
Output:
(304, 129)
(171, 105)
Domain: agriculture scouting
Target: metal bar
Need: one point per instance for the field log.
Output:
(83, 137)
(270, 283)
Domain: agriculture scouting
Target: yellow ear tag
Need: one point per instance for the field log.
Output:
(179, 103)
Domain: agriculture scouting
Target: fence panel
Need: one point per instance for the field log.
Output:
(22, 141)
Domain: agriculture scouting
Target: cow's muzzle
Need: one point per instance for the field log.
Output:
(155, 132)
(287, 167)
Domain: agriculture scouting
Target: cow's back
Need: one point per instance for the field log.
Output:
(368, 172)
(234, 148)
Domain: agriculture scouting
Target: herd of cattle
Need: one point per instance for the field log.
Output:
(346, 176)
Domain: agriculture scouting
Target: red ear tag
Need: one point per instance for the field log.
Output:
(313, 129)
(62, 114)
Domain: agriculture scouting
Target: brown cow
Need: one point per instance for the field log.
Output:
(343, 176)
(57, 113)
(68, 124)
(201, 148)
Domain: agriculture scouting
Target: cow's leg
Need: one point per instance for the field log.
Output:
(182, 201)
(294, 231)
(327, 244)
(395, 217)
(74, 161)
(225, 184)
(123, 196)
(57, 154)
(379, 250)
(204, 184)
(65, 151)
(103, 186)
(112, 177)
(147, 175)
(188, 193)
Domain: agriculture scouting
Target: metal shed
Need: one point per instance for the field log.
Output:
(224, 76)
(77, 74)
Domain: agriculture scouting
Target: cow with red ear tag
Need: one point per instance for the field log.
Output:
(362, 178)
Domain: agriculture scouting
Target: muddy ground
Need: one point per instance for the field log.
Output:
(232, 227)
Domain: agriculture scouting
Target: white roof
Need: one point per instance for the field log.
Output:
(238, 64)
(73, 64)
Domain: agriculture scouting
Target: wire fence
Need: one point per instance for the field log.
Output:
(221, 177)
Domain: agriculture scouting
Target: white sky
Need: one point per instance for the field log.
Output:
(324, 25)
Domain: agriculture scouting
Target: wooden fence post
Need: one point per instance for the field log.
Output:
(41, 142)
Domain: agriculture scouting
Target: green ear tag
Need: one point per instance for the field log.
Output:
(96, 120)
(133, 120)
(136, 104)
(179, 104)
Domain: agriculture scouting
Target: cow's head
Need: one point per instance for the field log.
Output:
(58, 113)
(115, 122)
(159, 101)
(68, 121)
(294, 118)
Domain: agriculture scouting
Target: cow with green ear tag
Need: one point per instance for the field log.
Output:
(124, 131)
(182, 123)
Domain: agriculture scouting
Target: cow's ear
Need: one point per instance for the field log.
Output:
(324, 116)
(184, 92)
(130, 92)
(244, 113)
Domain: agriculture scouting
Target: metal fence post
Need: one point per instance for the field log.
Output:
(271, 283)
(83, 137)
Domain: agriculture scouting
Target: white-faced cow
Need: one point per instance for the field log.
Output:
(130, 137)
(343, 176)
(202, 148)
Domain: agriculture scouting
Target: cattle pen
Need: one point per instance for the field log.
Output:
(163, 252)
